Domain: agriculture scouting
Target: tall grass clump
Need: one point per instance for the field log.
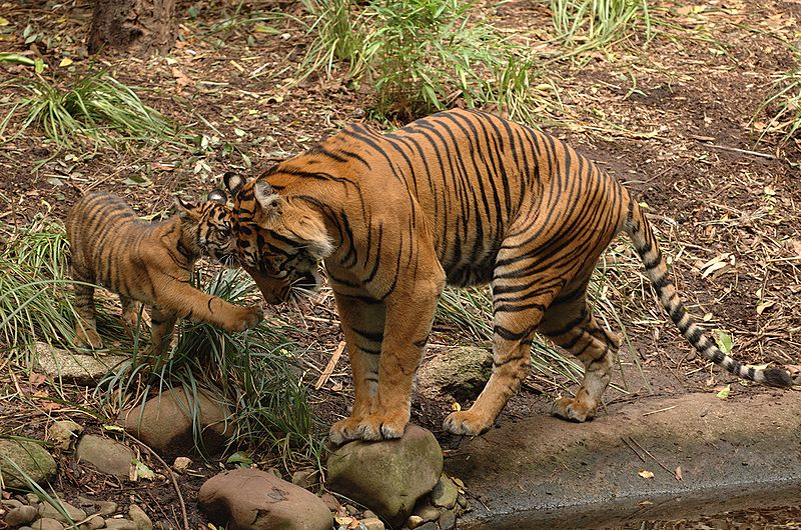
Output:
(420, 56)
(782, 106)
(254, 373)
(97, 108)
(586, 25)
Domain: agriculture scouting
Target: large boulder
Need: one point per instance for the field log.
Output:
(29, 460)
(387, 476)
(165, 422)
(253, 499)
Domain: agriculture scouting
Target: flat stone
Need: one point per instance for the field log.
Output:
(74, 367)
(120, 524)
(95, 522)
(106, 508)
(139, 517)
(426, 512)
(46, 523)
(34, 461)
(387, 476)
(372, 523)
(447, 520)
(429, 526)
(108, 456)
(164, 422)
(444, 493)
(47, 510)
(257, 500)
(11, 503)
(458, 371)
(64, 434)
(21, 515)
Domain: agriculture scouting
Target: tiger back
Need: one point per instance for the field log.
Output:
(150, 262)
(460, 197)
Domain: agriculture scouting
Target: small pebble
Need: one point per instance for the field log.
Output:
(181, 464)
(94, 523)
(414, 521)
(106, 508)
(372, 523)
(330, 501)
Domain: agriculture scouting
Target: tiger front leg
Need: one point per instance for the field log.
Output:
(162, 324)
(85, 322)
(383, 398)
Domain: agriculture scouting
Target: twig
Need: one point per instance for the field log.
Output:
(329, 368)
(633, 449)
(733, 149)
(660, 410)
(663, 466)
(172, 477)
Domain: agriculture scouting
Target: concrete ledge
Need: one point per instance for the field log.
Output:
(740, 452)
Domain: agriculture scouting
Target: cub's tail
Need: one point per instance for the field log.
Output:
(645, 242)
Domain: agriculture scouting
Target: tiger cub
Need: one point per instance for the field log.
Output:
(151, 263)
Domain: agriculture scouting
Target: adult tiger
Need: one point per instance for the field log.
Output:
(151, 263)
(463, 197)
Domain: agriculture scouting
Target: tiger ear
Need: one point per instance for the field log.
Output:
(233, 182)
(272, 205)
(316, 239)
(217, 196)
(186, 210)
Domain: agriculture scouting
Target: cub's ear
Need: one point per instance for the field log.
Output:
(233, 182)
(217, 196)
(186, 210)
(272, 205)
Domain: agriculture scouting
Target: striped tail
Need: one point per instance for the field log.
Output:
(645, 242)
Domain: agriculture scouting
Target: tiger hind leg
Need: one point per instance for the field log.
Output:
(86, 323)
(573, 327)
(132, 315)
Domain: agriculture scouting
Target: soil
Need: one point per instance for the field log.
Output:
(676, 118)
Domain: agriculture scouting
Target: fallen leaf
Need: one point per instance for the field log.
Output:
(764, 305)
(66, 61)
(456, 406)
(143, 471)
(724, 392)
(644, 473)
(678, 474)
(723, 340)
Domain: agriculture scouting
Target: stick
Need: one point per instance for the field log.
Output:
(172, 476)
(660, 410)
(329, 368)
(633, 449)
(663, 466)
(734, 149)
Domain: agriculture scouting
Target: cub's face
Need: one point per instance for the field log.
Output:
(279, 244)
(211, 224)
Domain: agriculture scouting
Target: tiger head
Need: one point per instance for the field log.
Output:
(280, 242)
(212, 222)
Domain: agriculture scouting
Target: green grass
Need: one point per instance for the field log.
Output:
(421, 56)
(782, 107)
(587, 25)
(97, 109)
(253, 373)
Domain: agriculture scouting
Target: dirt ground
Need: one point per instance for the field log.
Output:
(675, 119)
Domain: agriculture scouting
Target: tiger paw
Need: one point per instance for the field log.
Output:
(247, 317)
(372, 428)
(88, 338)
(466, 423)
(571, 409)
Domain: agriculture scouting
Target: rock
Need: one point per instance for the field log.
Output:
(305, 478)
(257, 500)
(64, 434)
(388, 476)
(11, 503)
(372, 523)
(427, 512)
(181, 464)
(106, 508)
(120, 524)
(21, 515)
(165, 422)
(107, 455)
(460, 372)
(428, 526)
(46, 523)
(462, 500)
(33, 499)
(74, 367)
(139, 517)
(368, 514)
(447, 520)
(445, 493)
(95, 522)
(414, 521)
(330, 501)
(47, 510)
(34, 461)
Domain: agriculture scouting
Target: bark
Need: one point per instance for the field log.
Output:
(139, 26)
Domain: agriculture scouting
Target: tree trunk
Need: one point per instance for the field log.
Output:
(140, 26)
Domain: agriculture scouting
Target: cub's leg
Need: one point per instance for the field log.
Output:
(363, 326)
(85, 323)
(162, 324)
(571, 325)
(132, 314)
(183, 300)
